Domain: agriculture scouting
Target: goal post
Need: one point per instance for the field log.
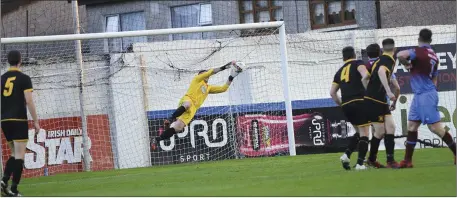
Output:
(126, 96)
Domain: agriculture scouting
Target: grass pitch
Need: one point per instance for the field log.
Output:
(305, 175)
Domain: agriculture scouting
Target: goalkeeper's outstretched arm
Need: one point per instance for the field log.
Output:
(205, 75)
(220, 89)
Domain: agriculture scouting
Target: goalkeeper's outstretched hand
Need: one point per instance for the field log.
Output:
(237, 68)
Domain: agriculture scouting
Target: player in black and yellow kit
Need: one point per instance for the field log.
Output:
(377, 91)
(194, 98)
(352, 79)
(16, 97)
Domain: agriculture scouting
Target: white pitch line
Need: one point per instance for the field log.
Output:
(83, 179)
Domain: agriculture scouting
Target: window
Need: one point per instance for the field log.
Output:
(331, 13)
(125, 22)
(254, 11)
(191, 16)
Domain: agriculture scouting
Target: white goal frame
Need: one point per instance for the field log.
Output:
(78, 37)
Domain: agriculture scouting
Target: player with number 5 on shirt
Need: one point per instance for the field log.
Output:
(16, 97)
(422, 63)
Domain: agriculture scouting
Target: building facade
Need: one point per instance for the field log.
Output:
(33, 18)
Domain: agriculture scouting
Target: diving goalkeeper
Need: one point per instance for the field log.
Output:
(194, 98)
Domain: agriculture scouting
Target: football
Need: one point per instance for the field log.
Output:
(238, 66)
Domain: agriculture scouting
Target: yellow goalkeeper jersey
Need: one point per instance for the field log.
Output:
(199, 89)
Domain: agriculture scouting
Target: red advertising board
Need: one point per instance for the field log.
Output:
(59, 146)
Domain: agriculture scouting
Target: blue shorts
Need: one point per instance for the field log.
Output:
(424, 108)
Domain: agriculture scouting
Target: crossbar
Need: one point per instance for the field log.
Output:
(71, 37)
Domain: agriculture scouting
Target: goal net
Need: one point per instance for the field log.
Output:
(314, 57)
(102, 112)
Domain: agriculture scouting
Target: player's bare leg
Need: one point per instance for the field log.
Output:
(374, 147)
(172, 128)
(9, 167)
(363, 146)
(178, 112)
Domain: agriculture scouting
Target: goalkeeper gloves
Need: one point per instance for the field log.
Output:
(236, 69)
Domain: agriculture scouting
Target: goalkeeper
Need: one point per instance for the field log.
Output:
(193, 99)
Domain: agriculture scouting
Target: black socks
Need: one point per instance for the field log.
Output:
(9, 168)
(17, 173)
(374, 147)
(352, 144)
(389, 143)
(363, 148)
(178, 113)
(167, 134)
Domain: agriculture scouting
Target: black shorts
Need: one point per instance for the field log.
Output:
(355, 113)
(376, 111)
(15, 130)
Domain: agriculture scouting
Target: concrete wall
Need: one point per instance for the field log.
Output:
(416, 13)
(44, 18)
(157, 15)
(313, 60)
(136, 83)
(55, 17)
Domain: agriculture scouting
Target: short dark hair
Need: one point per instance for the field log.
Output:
(373, 50)
(14, 57)
(388, 44)
(348, 53)
(425, 35)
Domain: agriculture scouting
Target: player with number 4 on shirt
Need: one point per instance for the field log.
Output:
(422, 63)
(352, 79)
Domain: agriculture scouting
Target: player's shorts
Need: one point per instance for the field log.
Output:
(189, 114)
(424, 108)
(376, 111)
(15, 130)
(355, 113)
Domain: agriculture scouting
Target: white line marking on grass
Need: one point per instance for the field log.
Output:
(83, 179)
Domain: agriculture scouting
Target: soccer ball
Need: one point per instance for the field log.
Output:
(238, 66)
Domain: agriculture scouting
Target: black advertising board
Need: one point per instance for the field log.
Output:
(206, 138)
(252, 133)
(317, 130)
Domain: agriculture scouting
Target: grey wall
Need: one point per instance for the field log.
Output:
(157, 16)
(417, 13)
(44, 18)
(365, 14)
(55, 17)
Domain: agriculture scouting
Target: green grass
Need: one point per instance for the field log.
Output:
(306, 175)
